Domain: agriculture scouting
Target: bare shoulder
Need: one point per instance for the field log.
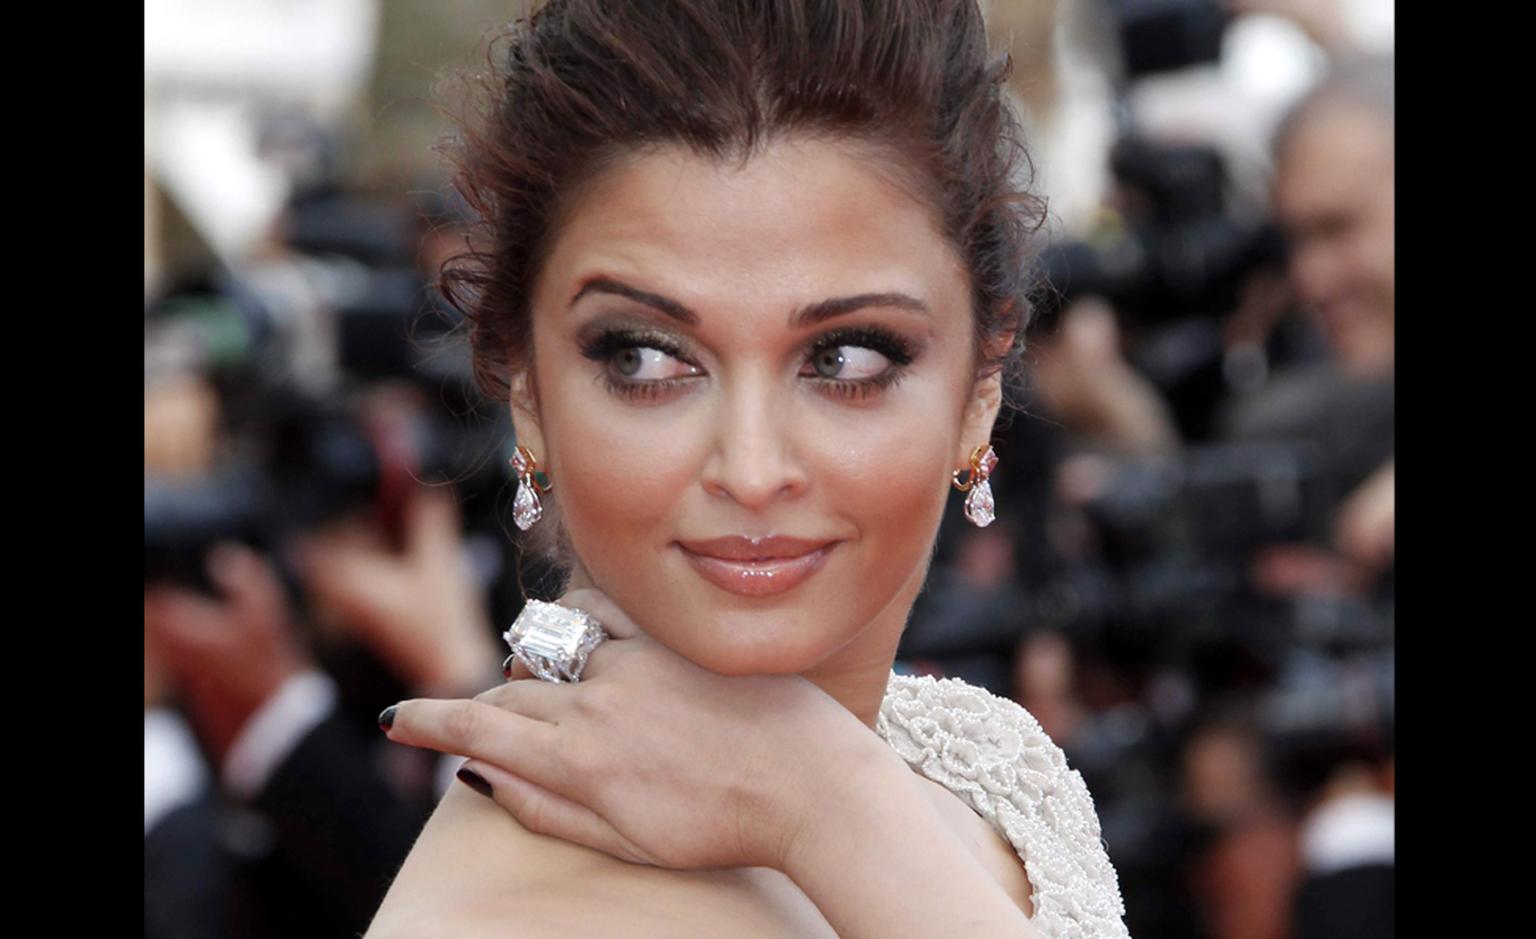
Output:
(474, 871)
(986, 843)
(470, 859)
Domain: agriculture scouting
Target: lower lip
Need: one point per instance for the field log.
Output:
(758, 578)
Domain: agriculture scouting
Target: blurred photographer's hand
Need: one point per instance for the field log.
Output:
(1086, 382)
(225, 657)
(417, 609)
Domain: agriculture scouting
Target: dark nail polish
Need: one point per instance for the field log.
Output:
(387, 719)
(506, 668)
(474, 781)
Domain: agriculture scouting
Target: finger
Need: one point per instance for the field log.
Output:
(356, 580)
(540, 700)
(546, 813)
(515, 670)
(481, 731)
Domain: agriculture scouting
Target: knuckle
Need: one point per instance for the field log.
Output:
(536, 816)
(600, 700)
(525, 810)
(495, 697)
(466, 722)
(583, 763)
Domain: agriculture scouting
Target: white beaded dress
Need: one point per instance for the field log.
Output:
(994, 755)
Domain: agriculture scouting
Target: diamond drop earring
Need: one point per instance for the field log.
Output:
(526, 508)
(980, 507)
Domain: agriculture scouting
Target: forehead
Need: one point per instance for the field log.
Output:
(1336, 159)
(801, 221)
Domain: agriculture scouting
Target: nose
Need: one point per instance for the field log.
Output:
(753, 459)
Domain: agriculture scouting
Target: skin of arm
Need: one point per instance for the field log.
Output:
(476, 871)
(877, 836)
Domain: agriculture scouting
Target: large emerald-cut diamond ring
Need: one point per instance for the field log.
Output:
(553, 641)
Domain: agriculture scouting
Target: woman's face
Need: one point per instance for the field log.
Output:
(684, 394)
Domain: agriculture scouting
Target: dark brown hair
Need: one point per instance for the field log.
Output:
(583, 84)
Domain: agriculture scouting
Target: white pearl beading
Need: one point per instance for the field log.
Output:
(992, 753)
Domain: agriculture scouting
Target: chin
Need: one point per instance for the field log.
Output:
(759, 642)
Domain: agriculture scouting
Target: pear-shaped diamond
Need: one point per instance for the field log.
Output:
(979, 507)
(525, 507)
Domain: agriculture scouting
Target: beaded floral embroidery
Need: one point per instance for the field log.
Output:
(992, 753)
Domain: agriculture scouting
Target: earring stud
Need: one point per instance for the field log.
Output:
(980, 507)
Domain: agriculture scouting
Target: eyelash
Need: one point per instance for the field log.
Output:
(603, 347)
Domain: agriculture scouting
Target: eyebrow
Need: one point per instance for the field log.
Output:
(808, 315)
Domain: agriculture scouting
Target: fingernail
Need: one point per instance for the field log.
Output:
(387, 718)
(474, 781)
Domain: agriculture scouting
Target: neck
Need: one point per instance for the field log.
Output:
(857, 674)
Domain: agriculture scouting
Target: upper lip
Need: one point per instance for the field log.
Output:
(738, 548)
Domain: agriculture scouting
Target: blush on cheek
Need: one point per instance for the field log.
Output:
(897, 503)
(613, 505)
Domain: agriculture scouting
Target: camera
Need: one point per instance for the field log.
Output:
(298, 351)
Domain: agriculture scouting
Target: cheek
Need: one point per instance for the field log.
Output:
(628, 480)
(621, 473)
(887, 476)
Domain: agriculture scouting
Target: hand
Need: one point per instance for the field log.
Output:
(418, 608)
(650, 758)
(1073, 363)
(1085, 380)
(226, 657)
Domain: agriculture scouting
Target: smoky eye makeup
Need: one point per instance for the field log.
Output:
(826, 352)
(622, 347)
(619, 348)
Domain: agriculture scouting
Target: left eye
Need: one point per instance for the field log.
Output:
(848, 363)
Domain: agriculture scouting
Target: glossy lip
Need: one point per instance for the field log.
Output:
(756, 568)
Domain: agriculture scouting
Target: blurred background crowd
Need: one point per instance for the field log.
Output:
(1189, 583)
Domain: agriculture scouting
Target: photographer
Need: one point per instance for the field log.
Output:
(1333, 194)
(262, 777)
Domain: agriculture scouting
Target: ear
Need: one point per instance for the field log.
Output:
(981, 410)
(980, 414)
(526, 423)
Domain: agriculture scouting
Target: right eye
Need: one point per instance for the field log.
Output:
(646, 363)
(639, 364)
